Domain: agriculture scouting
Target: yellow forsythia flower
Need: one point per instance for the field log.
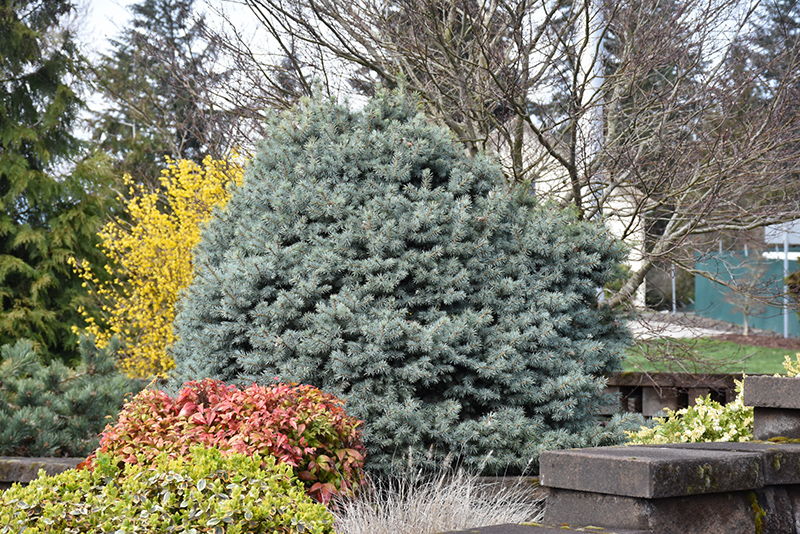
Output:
(150, 260)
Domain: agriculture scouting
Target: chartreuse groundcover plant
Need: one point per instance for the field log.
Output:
(792, 366)
(149, 252)
(708, 420)
(300, 426)
(367, 255)
(204, 491)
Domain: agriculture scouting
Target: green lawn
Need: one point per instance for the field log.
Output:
(703, 356)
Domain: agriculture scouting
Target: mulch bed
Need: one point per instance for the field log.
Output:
(762, 340)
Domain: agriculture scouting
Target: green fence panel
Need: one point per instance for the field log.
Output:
(764, 276)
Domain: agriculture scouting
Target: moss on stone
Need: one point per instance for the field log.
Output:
(758, 512)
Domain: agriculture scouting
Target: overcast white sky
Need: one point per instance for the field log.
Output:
(104, 19)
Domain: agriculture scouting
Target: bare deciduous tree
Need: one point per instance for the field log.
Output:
(650, 114)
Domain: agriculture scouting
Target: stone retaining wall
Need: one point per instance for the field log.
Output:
(677, 489)
(650, 393)
(23, 470)
(694, 488)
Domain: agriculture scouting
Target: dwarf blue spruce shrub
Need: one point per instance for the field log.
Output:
(55, 410)
(365, 254)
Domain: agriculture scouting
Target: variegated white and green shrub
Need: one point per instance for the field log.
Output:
(211, 493)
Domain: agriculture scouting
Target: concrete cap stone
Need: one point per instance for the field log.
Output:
(780, 461)
(651, 471)
(772, 392)
(15, 469)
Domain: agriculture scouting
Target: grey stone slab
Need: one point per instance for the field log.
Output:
(533, 528)
(651, 472)
(719, 381)
(776, 505)
(14, 469)
(694, 393)
(772, 392)
(698, 514)
(776, 422)
(780, 461)
(793, 492)
(656, 400)
(588, 508)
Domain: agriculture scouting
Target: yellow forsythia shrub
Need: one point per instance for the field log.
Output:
(150, 260)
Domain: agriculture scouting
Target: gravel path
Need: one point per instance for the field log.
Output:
(651, 325)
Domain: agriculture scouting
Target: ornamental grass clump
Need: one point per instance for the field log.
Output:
(298, 425)
(204, 491)
(427, 503)
(366, 254)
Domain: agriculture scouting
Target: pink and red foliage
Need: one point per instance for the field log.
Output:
(297, 424)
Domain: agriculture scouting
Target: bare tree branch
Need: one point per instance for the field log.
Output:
(693, 141)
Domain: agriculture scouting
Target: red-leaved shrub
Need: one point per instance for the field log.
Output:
(299, 425)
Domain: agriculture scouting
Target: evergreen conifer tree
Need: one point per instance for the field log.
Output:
(55, 410)
(777, 37)
(50, 205)
(157, 82)
(365, 254)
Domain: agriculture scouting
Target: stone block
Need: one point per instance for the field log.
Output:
(694, 393)
(651, 472)
(772, 392)
(655, 400)
(776, 422)
(776, 506)
(793, 493)
(732, 512)
(14, 469)
(597, 509)
(780, 462)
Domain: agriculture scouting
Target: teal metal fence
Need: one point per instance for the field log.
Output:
(760, 275)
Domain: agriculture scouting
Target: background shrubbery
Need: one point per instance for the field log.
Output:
(149, 254)
(706, 421)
